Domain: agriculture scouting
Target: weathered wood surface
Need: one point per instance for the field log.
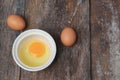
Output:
(71, 63)
(105, 39)
(8, 69)
(96, 54)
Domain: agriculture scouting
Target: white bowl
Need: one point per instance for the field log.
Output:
(24, 35)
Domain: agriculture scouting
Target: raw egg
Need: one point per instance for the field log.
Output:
(16, 22)
(68, 36)
(34, 52)
(37, 49)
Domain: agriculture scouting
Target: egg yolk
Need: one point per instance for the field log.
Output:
(37, 49)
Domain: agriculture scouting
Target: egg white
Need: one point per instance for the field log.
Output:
(30, 60)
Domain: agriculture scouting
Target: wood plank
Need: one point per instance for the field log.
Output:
(8, 69)
(105, 39)
(71, 63)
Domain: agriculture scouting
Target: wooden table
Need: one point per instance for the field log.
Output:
(96, 54)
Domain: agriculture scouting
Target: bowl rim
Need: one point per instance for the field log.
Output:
(26, 34)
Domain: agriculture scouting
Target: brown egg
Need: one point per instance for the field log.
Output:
(68, 36)
(16, 22)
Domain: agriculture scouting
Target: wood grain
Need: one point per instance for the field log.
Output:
(8, 69)
(105, 39)
(71, 63)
